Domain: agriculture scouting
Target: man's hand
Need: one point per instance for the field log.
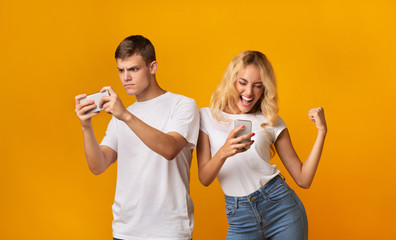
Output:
(82, 109)
(112, 104)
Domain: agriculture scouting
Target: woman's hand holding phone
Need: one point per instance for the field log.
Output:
(239, 140)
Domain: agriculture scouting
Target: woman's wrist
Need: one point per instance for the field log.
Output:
(221, 155)
(322, 132)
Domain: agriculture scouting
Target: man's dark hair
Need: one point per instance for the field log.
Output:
(136, 44)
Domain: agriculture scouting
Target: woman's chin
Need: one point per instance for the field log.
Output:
(244, 109)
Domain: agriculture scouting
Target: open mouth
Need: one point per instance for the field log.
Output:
(246, 101)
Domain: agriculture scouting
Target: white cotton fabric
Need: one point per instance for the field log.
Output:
(243, 173)
(152, 198)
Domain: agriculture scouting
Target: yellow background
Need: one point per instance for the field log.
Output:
(337, 54)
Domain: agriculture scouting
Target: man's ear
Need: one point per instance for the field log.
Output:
(153, 67)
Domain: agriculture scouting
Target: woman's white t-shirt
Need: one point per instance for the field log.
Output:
(243, 173)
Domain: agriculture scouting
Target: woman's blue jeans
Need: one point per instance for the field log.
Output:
(273, 212)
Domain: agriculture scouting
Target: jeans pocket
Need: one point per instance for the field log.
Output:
(279, 193)
(230, 209)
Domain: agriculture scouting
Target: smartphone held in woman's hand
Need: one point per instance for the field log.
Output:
(246, 130)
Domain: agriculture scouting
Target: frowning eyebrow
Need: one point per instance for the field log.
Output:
(128, 68)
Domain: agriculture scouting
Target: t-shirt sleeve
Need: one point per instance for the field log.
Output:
(110, 139)
(278, 128)
(203, 124)
(185, 121)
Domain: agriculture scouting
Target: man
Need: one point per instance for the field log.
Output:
(153, 141)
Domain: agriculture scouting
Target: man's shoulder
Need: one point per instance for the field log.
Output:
(180, 97)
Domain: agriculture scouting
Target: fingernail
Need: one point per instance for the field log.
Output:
(253, 134)
(243, 126)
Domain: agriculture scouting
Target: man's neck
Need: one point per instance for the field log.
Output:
(153, 91)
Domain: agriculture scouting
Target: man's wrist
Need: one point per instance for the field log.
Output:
(86, 127)
(127, 116)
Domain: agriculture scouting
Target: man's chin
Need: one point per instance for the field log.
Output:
(130, 92)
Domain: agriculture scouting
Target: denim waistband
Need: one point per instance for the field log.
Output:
(257, 195)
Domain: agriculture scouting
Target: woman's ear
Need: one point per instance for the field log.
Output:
(153, 67)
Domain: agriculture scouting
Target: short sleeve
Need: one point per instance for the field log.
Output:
(278, 128)
(185, 120)
(203, 122)
(111, 139)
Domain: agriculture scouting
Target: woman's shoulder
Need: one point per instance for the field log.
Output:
(259, 117)
(205, 112)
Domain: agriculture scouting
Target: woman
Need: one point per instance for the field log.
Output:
(259, 203)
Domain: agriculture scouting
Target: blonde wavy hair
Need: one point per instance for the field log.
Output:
(226, 97)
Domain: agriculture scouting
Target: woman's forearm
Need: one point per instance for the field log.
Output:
(311, 163)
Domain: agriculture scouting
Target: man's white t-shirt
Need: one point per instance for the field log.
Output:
(152, 198)
(243, 173)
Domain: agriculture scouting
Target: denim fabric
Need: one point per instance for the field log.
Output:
(273, 212)
(116, 239)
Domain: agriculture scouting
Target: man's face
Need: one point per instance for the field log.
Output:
(135, 76)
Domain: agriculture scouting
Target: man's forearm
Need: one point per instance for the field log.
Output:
(166, 145)
(94, 155)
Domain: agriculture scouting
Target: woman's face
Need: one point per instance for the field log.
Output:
(249, 87)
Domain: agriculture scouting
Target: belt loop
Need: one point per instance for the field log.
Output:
(236, 202)
(261, 190)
